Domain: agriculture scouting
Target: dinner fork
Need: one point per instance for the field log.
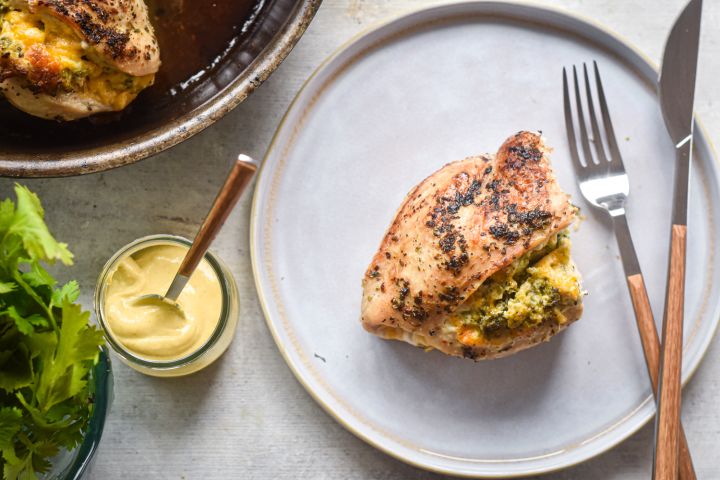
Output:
(605, 185)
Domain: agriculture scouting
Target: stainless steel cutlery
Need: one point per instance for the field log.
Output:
(605, 185)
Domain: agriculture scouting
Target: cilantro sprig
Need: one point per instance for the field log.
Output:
(47, 346)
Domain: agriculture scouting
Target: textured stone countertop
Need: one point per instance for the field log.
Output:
(246, 416)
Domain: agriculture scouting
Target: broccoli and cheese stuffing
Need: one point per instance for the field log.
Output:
(49, 70)
(533, 290)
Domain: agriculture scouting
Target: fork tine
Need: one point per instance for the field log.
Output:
(581, 122)
(572, 141)
(609, 131)
(593, 119)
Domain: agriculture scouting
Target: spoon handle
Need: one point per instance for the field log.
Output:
(239, 177)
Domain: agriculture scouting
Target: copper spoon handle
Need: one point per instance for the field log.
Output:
(238, 178)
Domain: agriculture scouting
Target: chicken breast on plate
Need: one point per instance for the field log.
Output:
(67, 59)
(476, 262)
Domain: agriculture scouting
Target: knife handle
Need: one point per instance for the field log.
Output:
(651, 347)
(667, 422)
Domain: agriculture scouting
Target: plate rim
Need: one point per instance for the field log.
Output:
(256, 225)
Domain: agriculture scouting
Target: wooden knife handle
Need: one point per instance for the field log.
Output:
(667, 429)
(651, 347)
(238, 178)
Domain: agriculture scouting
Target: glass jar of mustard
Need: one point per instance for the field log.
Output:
(156, 338)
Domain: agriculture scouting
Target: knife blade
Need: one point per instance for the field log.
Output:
(677, 96)
(679, 69)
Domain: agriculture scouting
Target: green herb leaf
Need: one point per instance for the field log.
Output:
(21, 323)
(20, 470)
(28, 224)
(63, 375)
(15, 366)
(38, 277)
(68, 293)
(7, 211)
(10, 424)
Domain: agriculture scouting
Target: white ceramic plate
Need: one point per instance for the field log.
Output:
(379, 116)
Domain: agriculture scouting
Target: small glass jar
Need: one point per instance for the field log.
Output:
(215, 346)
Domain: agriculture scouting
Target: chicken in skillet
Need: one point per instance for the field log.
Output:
(476, 262)
(67, 59)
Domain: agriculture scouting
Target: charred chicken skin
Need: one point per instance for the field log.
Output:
(476, 262)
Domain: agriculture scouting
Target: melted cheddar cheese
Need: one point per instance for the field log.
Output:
(53, 58)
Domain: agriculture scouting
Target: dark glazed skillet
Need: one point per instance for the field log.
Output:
(38, 148)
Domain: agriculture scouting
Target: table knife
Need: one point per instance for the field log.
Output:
(677, 94)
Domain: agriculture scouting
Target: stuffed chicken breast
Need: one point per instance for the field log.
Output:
(477, 261)
(67, 59)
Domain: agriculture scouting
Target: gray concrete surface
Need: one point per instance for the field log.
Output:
(247, 417)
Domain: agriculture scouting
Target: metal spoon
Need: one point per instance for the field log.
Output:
(238, 178)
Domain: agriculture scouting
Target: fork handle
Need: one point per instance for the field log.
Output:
(667, 429)
(646, 326)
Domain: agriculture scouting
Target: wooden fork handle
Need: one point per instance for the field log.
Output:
(239, 177)
(651, 347)
(667, 429)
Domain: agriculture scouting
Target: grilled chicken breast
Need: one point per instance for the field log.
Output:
(476, 261)
(67, 59)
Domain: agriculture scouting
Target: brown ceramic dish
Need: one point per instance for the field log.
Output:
(160, 117)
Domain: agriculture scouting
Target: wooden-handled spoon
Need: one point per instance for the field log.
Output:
(238, 178)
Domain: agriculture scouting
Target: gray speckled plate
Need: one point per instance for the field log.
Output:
(379, 116)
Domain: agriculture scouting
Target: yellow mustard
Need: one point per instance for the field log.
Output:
(157, 330)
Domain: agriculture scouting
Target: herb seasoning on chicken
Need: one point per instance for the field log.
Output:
(68, 59)
(477, 261)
